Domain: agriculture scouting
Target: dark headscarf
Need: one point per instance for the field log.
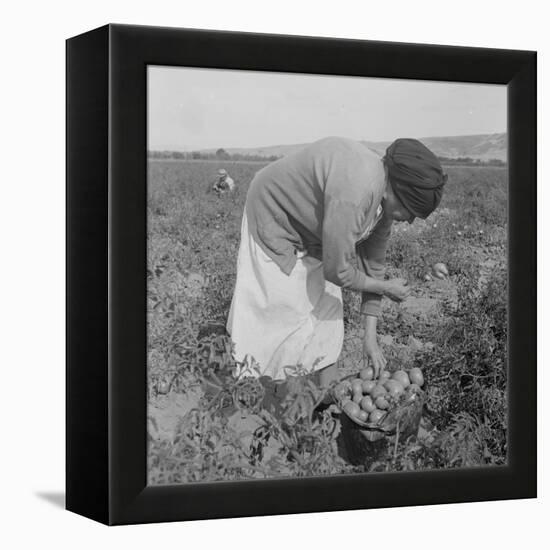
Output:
(415, 175)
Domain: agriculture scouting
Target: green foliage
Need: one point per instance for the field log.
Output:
(468, 368)
(207, 447)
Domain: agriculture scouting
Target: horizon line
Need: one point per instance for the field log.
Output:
(307, 142)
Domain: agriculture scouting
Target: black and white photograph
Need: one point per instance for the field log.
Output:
(275, 275)
(327, 275)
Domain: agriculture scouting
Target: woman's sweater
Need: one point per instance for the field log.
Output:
(321, 200)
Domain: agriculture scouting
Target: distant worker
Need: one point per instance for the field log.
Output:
(224, 183)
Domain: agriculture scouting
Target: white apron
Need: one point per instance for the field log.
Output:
(283, 320)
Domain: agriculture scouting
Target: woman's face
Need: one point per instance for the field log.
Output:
(393, 207)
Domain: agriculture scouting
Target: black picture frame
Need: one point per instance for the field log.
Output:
(106, 273)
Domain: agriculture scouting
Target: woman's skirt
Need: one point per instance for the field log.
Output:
(279, 323)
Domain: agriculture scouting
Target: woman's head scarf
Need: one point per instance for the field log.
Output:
(416, 176)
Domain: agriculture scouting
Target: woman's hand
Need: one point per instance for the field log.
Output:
(373, 354)
(397, 289)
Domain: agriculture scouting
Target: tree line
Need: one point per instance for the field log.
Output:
(468, 161)
(222, 155)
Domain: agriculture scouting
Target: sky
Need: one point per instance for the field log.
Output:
(191, 109)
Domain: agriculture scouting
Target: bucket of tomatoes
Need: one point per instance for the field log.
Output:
(376, 408)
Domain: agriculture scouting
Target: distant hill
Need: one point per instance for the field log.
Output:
(483, 147)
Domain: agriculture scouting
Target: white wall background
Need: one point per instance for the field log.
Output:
(32, 130)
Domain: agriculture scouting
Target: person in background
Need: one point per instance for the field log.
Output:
(315, 222)
(223, 183)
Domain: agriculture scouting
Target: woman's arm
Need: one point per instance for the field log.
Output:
(371, 255)
(340, 232)
(371, 350)
(341, 229)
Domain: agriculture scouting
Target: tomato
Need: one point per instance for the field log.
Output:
(340, 391)
(377, 391)
(368, 385)
(357, 397)
(357, 386)
(352, 408)
(363, 416)
(381, 402)
(384, 375)
(440, 270)
(367, 374)
(367, 404)
(416, 376)
(413, 388)
(402, 377)
(347, 385)
(393, 387)
(163, 387)
(376, 415)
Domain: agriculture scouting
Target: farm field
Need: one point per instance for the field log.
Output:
(454, 330)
